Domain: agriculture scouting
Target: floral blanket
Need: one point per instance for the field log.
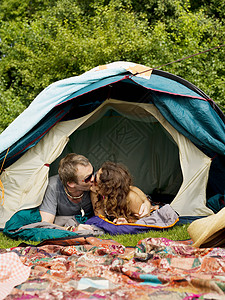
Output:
(92, 268)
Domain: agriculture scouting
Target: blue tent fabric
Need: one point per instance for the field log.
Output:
(33, 136)
(182, 106)
(188, 219)
(64, 90)
(195, 119)
(18, 134)
(55, 94)
(162, 84)
(216, 203)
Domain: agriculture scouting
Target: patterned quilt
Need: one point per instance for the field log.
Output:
(93, 268)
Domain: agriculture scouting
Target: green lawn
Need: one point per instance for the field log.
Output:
(176, 233)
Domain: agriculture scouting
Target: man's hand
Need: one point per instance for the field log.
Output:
(79, 227)
(84, 227)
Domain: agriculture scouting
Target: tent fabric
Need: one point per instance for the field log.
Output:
(194, 164)
(216, 203)
(190, 120)
(53, 95)
(198, 125)
(64, 90)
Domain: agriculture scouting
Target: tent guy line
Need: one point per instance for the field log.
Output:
(1, 185)
(180, 59)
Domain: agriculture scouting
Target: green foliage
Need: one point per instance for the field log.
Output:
(156, 10)
(192, 33)
(10, 107)
(14, 9)
(47, 40)
(213, 8)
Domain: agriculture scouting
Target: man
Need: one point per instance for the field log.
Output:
(67, 193)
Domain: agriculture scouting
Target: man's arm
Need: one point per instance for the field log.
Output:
(48, 206)
(50, 203)
(47, 217)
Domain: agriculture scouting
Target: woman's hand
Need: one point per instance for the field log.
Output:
(144, 210)
(120, 221)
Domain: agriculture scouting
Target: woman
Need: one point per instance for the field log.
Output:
(114, 197)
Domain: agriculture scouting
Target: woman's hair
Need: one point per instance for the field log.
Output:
(68, 167)
(114, 185)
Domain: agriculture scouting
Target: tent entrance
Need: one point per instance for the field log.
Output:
(138, 141)
(135, 134)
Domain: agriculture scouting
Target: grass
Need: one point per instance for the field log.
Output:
(6, 242)
(175, 233)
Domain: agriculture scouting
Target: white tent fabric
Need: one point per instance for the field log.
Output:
(25, 181)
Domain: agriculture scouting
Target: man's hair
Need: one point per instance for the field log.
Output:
(68, 167)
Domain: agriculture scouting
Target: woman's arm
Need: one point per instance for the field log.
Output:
(139, 204)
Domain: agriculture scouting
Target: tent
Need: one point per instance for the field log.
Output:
(169, 134)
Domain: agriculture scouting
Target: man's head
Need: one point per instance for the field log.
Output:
(76, 170)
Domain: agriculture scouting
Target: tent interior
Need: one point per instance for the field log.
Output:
(129, 129)
(164, 164)
(135, 139)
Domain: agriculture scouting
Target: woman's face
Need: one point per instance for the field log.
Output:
(97, 177)
(95, 187)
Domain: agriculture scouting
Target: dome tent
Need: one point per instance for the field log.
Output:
(168, 133)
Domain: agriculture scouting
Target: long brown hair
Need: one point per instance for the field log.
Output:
(114, 185)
